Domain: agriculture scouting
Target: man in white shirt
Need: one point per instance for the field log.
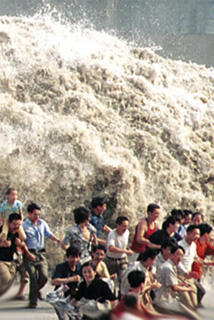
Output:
(185, 266)
(117, 247)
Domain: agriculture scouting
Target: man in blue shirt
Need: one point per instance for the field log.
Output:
(98, 205)
(36, 231)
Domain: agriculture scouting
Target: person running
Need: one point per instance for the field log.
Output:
(82, 234)
(36, 230)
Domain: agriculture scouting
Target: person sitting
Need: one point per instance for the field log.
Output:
(82, 234)
(92, 288)
(204, 248)
(68, 272)
(169, 297)
(146, 261)
(9, 206)
(190, 256)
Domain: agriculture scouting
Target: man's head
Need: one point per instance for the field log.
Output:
(153, 211)
(122, 224)
(99, 253)
(193, 233)
(177, 254)
(11, 195)
(14, 222)
(98, 205)
(166, 247)
(136, 279)
(171, 224)
(205, 230)
(73, 255)
(148, 258)
(81, 215)
(33, 212)
(179, 214)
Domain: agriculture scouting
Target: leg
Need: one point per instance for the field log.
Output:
(32, 270)
(42, 272)
(7, 275)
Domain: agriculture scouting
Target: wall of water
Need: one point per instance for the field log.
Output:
(84, 113)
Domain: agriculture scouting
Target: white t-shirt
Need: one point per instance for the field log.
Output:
(190, 254)
(119, 241)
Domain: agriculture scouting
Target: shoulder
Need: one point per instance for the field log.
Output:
(18, 203)
(91, 228)
(3, 205)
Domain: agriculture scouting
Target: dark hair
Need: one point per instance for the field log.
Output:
(152, 207)
(135, 278)
(98, 201)
(120, 219)
(192, 227)
(14, 216)
(177, 213)
(204, 228)
(9, 190)
(175, 248)
(168, 221)
(81, 214)
(88, 264)
(73, 251)
(196, 214)
(131, 299)
(99, 247)
(169, 243)
(187, 212)
(33, 206)
(148, 253)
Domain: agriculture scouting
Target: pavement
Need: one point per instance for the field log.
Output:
(11, 309)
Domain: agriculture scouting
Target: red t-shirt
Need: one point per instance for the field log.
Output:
(203, 250)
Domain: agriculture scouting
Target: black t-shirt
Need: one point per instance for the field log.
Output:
(159, 237)
(63, 270)
(98, 289)
(6, 253)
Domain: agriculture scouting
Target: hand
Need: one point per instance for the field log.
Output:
(192, 274)
(76, 278)
(6, 243)
(113, 276)
(129, 252)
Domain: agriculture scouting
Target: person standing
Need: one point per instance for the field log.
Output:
(98, 205)
(117, 247)
(36, 230)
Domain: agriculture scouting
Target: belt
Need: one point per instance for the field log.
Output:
(37, 251)
(116, 259)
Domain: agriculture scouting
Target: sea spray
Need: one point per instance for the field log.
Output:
(83, 113)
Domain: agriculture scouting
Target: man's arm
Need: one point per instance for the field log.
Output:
(107, 228)
(59, 281)
(118, 250)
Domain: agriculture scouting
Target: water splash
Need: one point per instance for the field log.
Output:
(84, 113)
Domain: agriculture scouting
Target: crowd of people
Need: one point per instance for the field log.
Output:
(156, 274)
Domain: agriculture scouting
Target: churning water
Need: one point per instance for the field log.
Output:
(84, 113)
